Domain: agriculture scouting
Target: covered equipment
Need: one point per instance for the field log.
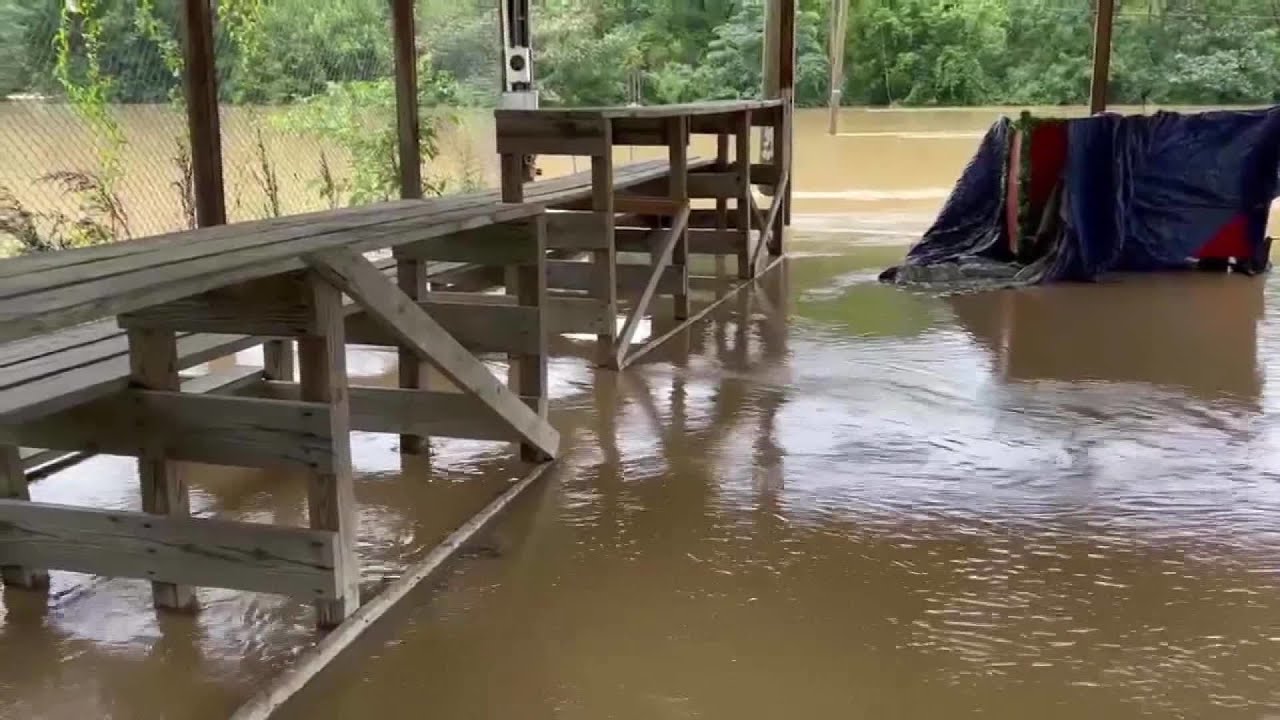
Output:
(1072, 199)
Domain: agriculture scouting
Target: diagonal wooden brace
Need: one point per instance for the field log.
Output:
(399, 315)
(661, 259)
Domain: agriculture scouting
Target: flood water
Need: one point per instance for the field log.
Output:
(832, 499)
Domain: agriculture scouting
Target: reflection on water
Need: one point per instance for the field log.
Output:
(834, 498)
(1058, 502)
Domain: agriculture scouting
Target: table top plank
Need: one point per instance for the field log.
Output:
(718, 107)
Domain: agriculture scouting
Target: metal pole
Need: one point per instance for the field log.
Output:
(1104, 18)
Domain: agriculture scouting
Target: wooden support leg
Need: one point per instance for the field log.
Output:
(604, 284)
(331, 495)
(781, 167)
(678, 156)
(153, 362)
(527, 374)
(743, 158)
(13, 485)
(722, 204)
(411, 275)
(277, 360)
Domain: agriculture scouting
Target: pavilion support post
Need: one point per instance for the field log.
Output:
(1104, 18)
(202, 113)
(406, 69)
(604, 285)
(153, 365)
(331, 493)
(839, 26)
(411, 273)
(678, 160)
(742, 136)
(722, 203)
(787, 91)
(13, 486)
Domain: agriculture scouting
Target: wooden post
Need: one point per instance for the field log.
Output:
(839, 25)
(604, 284)
(678, 157)
(406, 55)
(771, 76)
(787, 90)
(1104, 17)
(277, 360)
(527, 375)
(153, 365)
(722, 204)
(202, 114)
(205, 131)
(743, 159)
(331, 500)
(13, 485)
(782, 133)
(411, 276)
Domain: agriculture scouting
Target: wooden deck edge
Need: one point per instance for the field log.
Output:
(311, 663)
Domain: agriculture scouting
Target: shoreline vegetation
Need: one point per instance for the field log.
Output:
(317, 76)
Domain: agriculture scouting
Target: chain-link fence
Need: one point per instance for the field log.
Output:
(93, 136)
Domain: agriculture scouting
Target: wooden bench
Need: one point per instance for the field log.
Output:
(52, 372)
(76, 383)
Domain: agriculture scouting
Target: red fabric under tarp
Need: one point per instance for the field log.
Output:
(1231, 242)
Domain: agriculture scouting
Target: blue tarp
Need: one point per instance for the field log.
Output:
(1139, 193)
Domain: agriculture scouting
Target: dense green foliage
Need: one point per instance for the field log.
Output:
(913, 52)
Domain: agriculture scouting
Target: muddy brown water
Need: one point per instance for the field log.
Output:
(831, 499)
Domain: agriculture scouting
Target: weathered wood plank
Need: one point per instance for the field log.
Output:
(564, 314)
(479, 327)
(406, 410)
(97, 379)
(275, 306)
(178, 551)
(549, 135)
(639, 205)
(331, 497)
(494, 245)
(418, 331)
(53, 308)
(705, 219)
(585, 114)
(631, 277)
(714, 185)
(576, 230)
(181, 426)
